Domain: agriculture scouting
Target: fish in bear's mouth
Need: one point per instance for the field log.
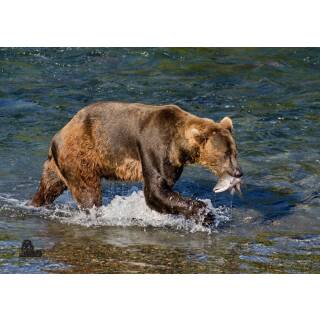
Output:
(228, 182)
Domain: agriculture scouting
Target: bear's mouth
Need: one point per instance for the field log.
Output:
(227, 182)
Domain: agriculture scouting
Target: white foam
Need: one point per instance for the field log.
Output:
(126, 211)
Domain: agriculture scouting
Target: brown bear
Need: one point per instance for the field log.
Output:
(137, 142)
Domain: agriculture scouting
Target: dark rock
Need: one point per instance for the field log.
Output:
(27, 250)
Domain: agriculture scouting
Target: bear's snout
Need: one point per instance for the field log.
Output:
(237, 173)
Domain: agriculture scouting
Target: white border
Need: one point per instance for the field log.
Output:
(159, 23)
(159, 297)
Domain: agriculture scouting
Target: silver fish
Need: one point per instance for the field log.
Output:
(227, 182)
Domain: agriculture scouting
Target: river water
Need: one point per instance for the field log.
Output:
(273, 97)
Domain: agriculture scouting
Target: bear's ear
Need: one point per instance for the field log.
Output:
(226, 123)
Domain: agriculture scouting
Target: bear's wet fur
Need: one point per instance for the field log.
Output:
(135, 142)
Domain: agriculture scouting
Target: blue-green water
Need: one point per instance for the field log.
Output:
(271, 94)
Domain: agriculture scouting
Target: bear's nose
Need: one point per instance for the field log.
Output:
(238, 173)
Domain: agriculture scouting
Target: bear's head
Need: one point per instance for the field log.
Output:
(214, 147)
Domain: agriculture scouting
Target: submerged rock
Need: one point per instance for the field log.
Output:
(27, 250)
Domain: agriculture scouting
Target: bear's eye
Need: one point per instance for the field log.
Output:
(227, 154)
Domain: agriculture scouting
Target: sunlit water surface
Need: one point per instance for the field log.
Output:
(273, 98)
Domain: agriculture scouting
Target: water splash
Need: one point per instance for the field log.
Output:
(124, 211)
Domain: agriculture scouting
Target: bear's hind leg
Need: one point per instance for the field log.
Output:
(87, 194)
(50, 187)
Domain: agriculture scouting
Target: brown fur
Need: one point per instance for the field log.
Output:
(129, 170)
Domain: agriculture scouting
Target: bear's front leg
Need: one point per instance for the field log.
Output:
(159, 175)
(160, 197)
